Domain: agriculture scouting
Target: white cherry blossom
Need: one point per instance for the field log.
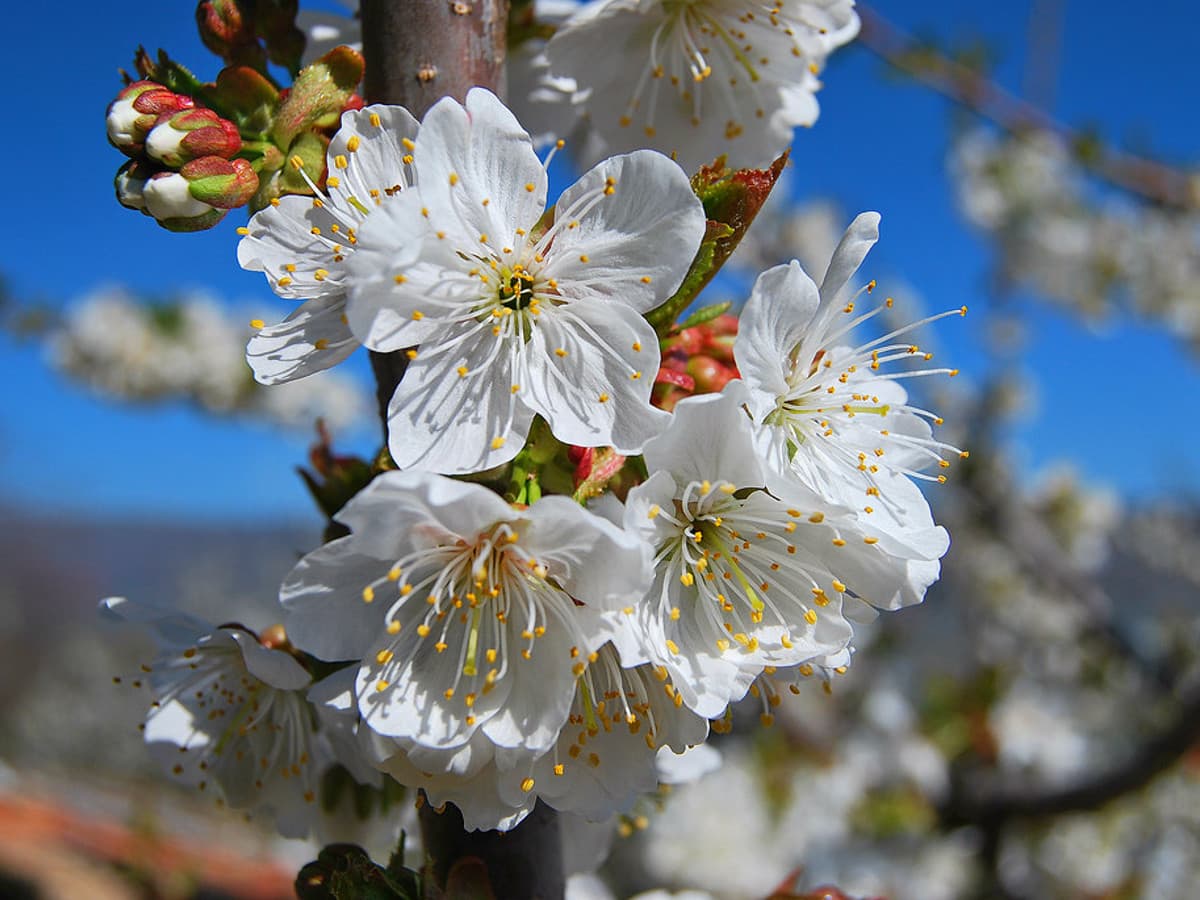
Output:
(303, 244)
(471, 617)
(834, 416)
(231, 714)
(516, 317)
(699, 78)
(745, 578)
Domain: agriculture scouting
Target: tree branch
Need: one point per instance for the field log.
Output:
(418, 51)
(1149, 179)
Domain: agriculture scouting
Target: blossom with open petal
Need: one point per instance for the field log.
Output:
(744, 578)
(624, 733)
(834, 416)
(514, 317)
(302, 244)
(231, 713)
(471, 617)
(698, 78)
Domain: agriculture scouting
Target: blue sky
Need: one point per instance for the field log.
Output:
(879, 144)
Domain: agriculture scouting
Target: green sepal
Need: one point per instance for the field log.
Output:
(169, 74)
(346, 872)
(319, 95)
(310, 147)
(704, 266)
(731, 199)
(706, 314)
(248, 98)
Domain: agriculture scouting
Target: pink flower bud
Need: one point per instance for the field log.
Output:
(221, 183)
(178, 138)
(169, 200)
(135, 111)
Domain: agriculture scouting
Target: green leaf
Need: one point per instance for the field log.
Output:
(731, 198)
(705, 314)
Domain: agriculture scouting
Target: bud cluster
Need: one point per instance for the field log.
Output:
(183, 169)
(198, 150)
(695, 360)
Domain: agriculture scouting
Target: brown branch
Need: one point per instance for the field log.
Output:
(1150, 179)
(418, 51)
(990, 806)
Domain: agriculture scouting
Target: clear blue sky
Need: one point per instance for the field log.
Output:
(879, 144)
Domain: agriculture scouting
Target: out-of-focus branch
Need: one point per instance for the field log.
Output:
(1150, 179)
(991, 806)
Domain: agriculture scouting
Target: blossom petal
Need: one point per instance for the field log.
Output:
(313, 338)
(451, 423)
(858, 240)
(591, 369)
(475, 166)
(635, 239)
(772, 325)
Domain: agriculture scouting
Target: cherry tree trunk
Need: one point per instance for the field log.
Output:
(418, 51)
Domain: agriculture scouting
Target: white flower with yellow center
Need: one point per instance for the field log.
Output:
(745, 579)
(302, 244)
(625, 729)
(699, 78)
(515, 317)
(231, 713)
(834, 416)
(471, 617)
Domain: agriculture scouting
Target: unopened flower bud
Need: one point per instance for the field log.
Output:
(227, 29)
(168, 198)
(710, 376)
(191, 134)
(135, 111)
(130, 184)
(223, 183)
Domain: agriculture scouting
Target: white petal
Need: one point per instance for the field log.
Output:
(468, 155)
(313, 338)
(859, 238)
(596, 562)
(597, 392)
(709, 438)
(441, 422)
(638, 241)
(323, 597)
(274, 667)
(280, 244)
(772, 324)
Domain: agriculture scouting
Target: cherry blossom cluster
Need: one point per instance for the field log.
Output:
(563, 572)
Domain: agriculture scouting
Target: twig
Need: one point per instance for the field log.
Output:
(1149, 179)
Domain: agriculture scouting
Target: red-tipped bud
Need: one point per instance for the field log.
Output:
(168, 198)
(227, 29)
(191, 134)
(353, 103)
(135, 111)
(690, 341)
(223, 183)
(583, 458)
